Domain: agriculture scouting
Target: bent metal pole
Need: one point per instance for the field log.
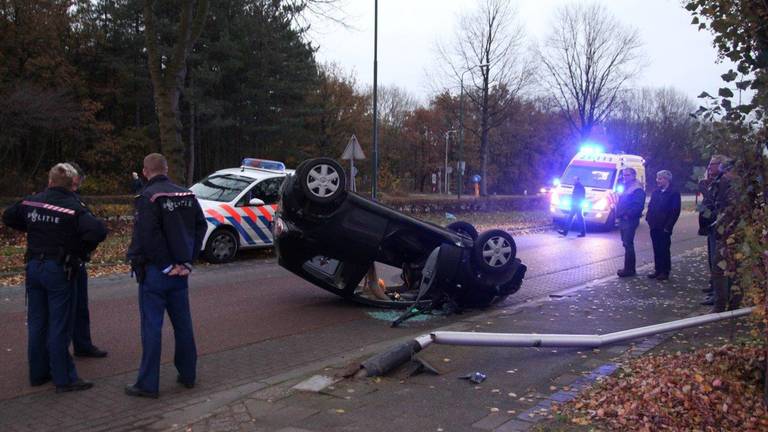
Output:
(384, 362)
(584, 341)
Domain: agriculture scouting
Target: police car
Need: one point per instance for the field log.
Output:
(239, 205)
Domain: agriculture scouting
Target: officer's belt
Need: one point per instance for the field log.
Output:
(44, 256)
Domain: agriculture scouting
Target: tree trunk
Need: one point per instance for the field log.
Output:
(191, 146)
(167, 76)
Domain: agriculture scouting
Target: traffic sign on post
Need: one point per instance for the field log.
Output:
(352, 152)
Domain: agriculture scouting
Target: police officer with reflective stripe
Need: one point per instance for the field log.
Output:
(59, 230)
(168, 232)
(81, 333)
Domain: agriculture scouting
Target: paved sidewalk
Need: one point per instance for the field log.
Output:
(521, 382)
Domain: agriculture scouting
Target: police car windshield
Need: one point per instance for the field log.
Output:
(222, 188)
(590, 176)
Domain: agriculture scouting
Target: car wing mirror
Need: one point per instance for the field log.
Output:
(256, 202)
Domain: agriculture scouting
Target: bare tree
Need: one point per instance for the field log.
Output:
(168, 71)
(489, 47)
(588, 59)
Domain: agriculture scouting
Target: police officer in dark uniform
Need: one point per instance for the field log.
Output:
(81, 333)
(168, 232)
(59, 230)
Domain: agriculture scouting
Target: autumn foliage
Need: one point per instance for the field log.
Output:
(713, 390)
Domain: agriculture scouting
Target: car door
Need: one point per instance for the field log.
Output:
(259, 217)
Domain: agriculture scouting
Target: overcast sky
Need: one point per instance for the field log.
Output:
(677, 54)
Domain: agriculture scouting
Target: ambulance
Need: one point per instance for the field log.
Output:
(600, 173)
(239, 205)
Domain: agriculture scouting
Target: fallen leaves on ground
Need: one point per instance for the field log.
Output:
(107, 259)
(709, 390)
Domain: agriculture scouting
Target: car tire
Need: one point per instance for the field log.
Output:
(494, 251)
(465, 228)
(322, 180)
(222, 246)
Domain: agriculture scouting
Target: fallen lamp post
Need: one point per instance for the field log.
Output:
(381, 364)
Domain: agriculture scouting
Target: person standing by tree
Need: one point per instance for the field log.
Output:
(577, 198)
(723, 193)
(707, 216)
(168, 232)
(628, 212)
(663, 211)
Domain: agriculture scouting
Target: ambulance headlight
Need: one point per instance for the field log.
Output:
(601, 204)
(555, 198)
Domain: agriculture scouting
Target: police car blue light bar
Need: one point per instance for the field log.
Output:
(263, 164)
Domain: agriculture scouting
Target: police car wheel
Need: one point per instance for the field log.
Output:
(463, 228)
(222, 247)
(494, 251)
(322, 180)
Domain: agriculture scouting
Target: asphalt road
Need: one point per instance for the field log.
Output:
(253, 301)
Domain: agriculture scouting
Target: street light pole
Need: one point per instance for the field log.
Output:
(446, 182)
(461, 128)
(375, 161)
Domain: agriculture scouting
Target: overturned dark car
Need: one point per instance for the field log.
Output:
(332, 237)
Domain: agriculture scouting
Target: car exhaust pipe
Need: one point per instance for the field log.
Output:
(383, 363)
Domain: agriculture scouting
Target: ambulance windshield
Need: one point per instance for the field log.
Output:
(590, 176)
(222, 188)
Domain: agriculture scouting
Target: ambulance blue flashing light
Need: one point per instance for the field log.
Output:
(263, 164)
(620, 188)
(556, 181)
(589, 148)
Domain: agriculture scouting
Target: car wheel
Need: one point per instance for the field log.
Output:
(494, 251)
(322, 180)
(464, 228)
(222, 246)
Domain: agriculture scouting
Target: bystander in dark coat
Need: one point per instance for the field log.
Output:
(629, 210)
(663, 212)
